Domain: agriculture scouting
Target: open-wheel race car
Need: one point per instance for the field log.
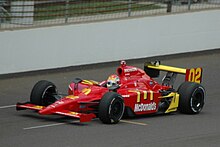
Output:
(132, 91)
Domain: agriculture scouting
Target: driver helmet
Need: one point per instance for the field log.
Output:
(113, 80)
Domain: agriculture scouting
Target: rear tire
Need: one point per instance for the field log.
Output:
(111, 108)
(42, 93)
(192, 96)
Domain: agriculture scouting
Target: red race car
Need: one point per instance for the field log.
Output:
(132, 91)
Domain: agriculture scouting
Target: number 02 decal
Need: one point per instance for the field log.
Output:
(194, 75)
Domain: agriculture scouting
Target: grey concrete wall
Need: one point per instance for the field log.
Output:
(62, 46)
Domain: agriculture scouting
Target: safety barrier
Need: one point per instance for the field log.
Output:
(72, 45)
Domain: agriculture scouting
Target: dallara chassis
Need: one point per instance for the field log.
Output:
(137, 93)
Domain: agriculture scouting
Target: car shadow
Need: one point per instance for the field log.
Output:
(155, 115)
(73, 121)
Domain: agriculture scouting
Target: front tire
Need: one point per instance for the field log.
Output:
(42, 93)
(111, 108)
(192, 96)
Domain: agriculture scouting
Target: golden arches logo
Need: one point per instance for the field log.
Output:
(145, 94)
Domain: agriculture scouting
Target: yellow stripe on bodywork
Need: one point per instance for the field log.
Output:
(86, 91)
(145, 95)
(87, 82)
(138, 94)
(151, 95)
(38, 107)
(72, 97)
(168, 68)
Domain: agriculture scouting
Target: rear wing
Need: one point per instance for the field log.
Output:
(192, 74)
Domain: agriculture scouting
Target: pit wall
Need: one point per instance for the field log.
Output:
(79, 44)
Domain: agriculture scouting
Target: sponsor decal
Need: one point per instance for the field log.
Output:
(145, 107)
(130, 70)
(194, 75)
(146, 94)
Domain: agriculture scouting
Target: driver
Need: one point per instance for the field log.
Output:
(113, 80)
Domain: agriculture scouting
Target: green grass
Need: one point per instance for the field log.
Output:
(81, 8)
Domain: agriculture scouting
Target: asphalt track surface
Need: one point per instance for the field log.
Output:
(27, 128)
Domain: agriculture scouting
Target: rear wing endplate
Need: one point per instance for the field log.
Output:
(192, 75)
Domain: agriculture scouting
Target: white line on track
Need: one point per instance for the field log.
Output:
(9, 106)
(132, 122)
(43, 126)
(49, 125)
(77, 121)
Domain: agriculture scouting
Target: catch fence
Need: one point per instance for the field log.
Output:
(33, 13)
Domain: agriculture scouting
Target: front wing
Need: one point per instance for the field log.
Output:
(82, 116)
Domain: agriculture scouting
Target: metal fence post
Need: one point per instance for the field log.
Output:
(189, 4)
(2, 11)
(169, 6)
(129, 8)
(1, 16)
(66, 11)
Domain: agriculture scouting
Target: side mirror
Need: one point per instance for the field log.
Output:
(77, 80)
(114, 88)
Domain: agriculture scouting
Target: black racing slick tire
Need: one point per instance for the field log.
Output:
(192, 96)
(42, 93)
(111, 108)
